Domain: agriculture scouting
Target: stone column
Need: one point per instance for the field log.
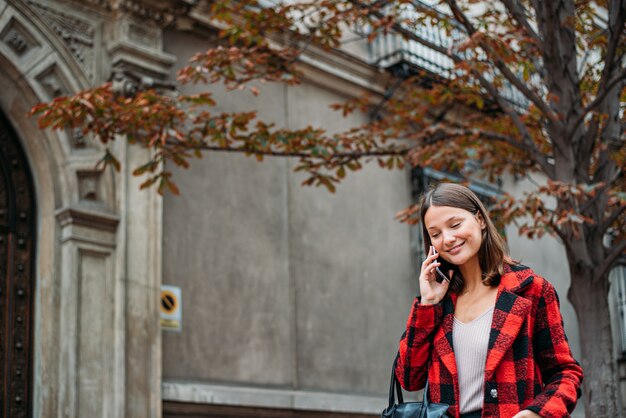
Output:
(87, 313)
(133, 40)
(141, 221)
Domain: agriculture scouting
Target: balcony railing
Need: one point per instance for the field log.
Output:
(389, 50)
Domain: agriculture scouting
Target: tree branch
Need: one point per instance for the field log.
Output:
(506, 72)
(491, 89)
(436, 133)
(598, 193)
(532, 148)
(612, 218)
(388, 95)
(617, 18)
(517, 11)
(335, 155)
(408, 33)
(597, 101)
(564, 239)
(615, 252)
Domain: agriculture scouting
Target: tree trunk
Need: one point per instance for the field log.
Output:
(591, 305)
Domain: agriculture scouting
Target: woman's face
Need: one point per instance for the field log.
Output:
(455, 233)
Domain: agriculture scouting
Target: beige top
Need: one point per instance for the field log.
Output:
(471, 342)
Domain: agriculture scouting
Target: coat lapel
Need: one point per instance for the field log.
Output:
(510, 313)
(442, 342)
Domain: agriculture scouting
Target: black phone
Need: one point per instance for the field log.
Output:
(446, 267)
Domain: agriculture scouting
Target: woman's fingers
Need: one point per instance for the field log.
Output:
(429, 269)
(429, 276)
(428, 261)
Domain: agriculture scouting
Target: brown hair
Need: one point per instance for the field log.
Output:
(492, 255)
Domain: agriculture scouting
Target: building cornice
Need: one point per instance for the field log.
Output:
(88, 217)
(341, 71)
(320, 66)
(159, 11)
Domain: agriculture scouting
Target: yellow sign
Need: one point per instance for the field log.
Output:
(169, 302)
(171, 308)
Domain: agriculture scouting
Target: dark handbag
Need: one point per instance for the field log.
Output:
(401, 409)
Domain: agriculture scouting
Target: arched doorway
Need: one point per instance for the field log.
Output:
(17, 243)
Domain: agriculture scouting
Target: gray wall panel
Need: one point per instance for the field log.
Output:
(283, 284)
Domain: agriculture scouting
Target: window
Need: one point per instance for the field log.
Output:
(618, 290)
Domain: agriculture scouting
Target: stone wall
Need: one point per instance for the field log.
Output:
(285, 286)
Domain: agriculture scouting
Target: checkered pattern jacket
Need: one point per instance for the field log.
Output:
(529, 364)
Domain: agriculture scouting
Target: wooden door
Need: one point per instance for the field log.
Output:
(17, 243)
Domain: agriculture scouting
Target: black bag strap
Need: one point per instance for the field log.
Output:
(395, 384)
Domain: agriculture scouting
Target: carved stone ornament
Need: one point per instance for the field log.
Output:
(17, 37)
(89, 187)
(128, 83)
(52, 82)
(16, 41)
(77, 34)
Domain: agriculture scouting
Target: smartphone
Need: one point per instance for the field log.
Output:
(439, 272)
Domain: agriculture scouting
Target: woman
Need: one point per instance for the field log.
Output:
(490, 339)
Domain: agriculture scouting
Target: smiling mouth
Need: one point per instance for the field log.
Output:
(456, 248)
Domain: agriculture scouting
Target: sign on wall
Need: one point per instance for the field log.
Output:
(171, 308)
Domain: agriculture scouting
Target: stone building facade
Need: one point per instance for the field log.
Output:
(293, 299)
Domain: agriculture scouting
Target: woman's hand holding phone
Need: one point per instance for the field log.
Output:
(431, 290)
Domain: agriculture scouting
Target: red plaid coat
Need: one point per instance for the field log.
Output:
(529, 363)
